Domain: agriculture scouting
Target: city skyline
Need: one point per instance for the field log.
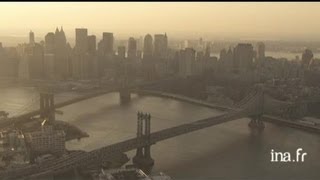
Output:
(128, 76)
(214, 20)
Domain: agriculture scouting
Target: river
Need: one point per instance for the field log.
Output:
(225, 151)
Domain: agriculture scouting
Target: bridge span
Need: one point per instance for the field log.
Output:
(255, 107)
(117, 87)
(267, 115)
(186, 99)
(81, 159)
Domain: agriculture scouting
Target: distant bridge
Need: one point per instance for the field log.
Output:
(23, 118)
(81, 159)
(186, 99)
(257, 105)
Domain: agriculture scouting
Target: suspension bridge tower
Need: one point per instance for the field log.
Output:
(258, 109)
(47, 109)
(143, 159)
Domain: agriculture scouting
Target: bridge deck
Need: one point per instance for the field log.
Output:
(187, 99)
(83, 158)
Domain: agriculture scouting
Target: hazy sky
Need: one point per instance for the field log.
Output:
(269, 20)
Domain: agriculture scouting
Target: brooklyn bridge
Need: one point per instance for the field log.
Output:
(257, 105)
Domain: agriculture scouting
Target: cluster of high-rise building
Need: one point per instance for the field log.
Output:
(242, 58)
(147, 57)
(55, 59)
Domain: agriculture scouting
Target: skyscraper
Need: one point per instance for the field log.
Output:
(307, 56)
(106, 44)
(92, 44)
(36, 64)
(229, 59)
(60, 38)
(121, 52)
(261, 51)
(91, 60)
(208, 50)
(81, 45)
(223, 55)
(186, 62)
(243, 57)
(160, 45)
(148, 47)
(61, 64)
(31, 38)
(49, 42)
(80, 65)
(132, 48)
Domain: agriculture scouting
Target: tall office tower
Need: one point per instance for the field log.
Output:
(80, 63)
(106, 44)
(160, 45)
(147, 63)
(92, 44)
(208, 50)
(223, 56)
(36, 61)
(60, 38)
(243, 57)
(121, 52)
(105, 53)
(31, 38)
(307, 56)
(91, 60)
(223, 60)
(49, 42)
(61, 64)
(140, 43)
(147, 47)
(200, 45)
(132, 48)
(229, 59)
(186, 62)
(81, 45)
(260, 51)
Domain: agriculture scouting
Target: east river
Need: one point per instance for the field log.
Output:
(225, 151)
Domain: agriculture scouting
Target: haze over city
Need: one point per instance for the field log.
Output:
(94, 91)
(211, 20)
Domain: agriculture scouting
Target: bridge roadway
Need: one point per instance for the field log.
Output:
(265, 117)
(186, 99)
(26, 117)
(81, 159)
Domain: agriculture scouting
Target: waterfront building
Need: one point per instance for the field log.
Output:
(46, 141)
